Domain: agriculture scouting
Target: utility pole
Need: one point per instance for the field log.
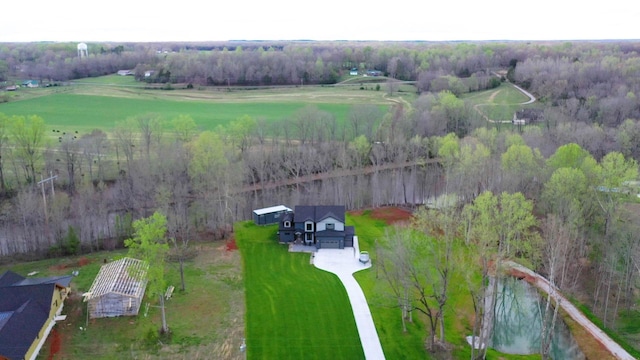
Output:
(44, 196)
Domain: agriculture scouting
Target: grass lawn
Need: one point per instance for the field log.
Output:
(101, 102)
(208, 318)
(499, 103)
(294, 311)
(71, 112)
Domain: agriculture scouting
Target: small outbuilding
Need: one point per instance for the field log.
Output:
(270, 215)
(118, 289)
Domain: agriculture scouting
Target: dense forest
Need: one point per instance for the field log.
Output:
(577, 164)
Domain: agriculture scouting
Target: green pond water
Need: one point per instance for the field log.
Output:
(517, 325)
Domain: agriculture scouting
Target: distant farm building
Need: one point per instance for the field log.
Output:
(527, 116)
(31, 83)
(118, 289)
(126, 72)
(270, 215)
(353, 72)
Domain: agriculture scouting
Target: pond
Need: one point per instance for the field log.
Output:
(518, 323)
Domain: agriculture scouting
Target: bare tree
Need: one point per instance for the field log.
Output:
(392, 262)
(70, 147)
(95, 147)
(560, 252)
(4, 150)
(150, 128)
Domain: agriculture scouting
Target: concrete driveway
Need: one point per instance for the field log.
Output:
(343, 263)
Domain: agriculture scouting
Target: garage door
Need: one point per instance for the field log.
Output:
(329, 243)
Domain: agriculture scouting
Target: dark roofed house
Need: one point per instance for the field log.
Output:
(322, 226)
(29, 308)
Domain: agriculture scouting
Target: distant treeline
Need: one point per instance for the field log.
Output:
(592, 82)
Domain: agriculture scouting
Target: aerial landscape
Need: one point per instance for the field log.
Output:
(431, 191)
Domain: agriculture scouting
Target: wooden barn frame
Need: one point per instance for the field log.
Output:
(118, 289)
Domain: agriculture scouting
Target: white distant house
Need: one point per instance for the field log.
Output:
(31, 83)
(353, 72)
(118, 289)
(125, 72)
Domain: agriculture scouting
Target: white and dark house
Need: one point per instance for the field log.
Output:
(322, 226)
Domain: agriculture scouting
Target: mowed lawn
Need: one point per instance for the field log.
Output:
(294, 311)
(499, 103)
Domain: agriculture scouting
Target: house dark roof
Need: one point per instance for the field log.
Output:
(25, 305)
(319, 212)
(60, 280)
(10, 278)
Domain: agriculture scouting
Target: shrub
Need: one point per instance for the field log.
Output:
(71, 242)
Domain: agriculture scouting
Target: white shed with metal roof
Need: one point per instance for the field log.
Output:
(270, 215)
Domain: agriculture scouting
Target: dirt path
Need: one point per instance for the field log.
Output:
(543, 284)
(493, 95)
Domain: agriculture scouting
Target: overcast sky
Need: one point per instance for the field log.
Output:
(430, 20)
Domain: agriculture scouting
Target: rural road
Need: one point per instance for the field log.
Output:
(343, 263)
(532, 98)
(543, 284)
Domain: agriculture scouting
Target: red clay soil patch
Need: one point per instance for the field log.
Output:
(522, 276)
(54, 348)
(80, 263)
(391, 215)
(231, 245)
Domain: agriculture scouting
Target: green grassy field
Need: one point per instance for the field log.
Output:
(499, 103)
(101, 102)
(294, 311)
(111, 80)
(87, 112)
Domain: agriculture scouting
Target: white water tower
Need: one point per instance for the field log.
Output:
(83, 50)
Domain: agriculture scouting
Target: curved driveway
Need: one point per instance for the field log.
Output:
(343, 263)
